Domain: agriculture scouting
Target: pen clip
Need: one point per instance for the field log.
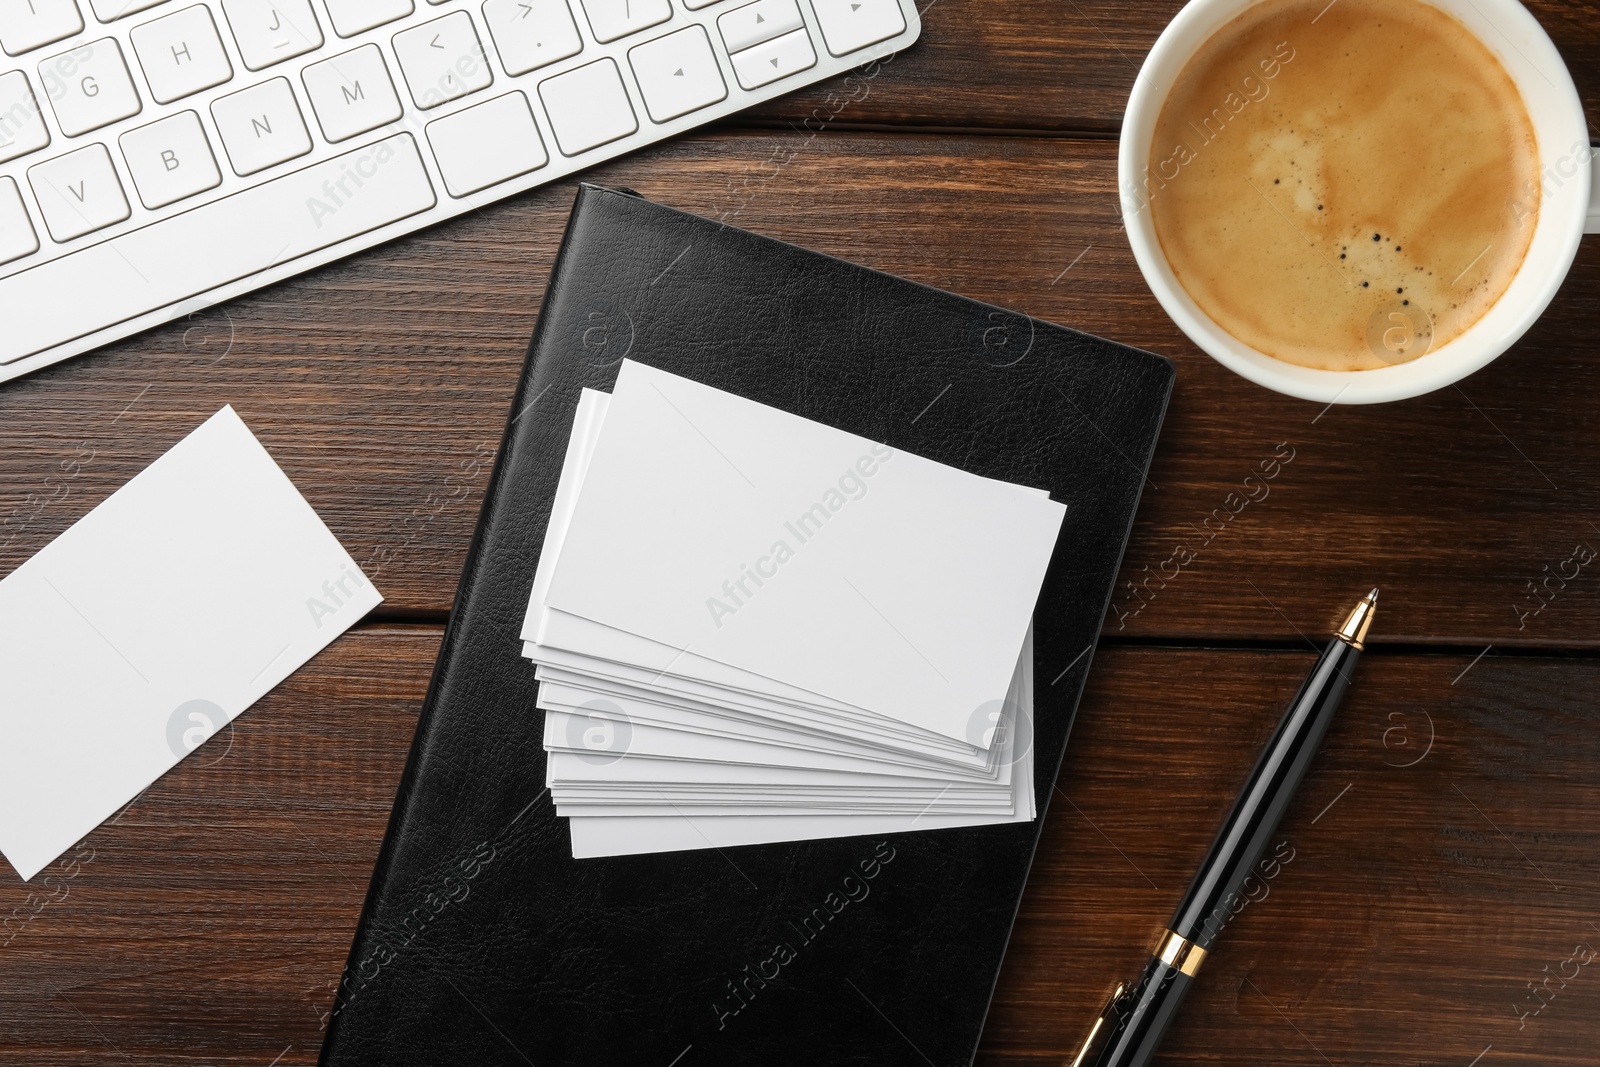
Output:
(1103, 1028)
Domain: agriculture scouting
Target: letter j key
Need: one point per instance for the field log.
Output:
(271, 31)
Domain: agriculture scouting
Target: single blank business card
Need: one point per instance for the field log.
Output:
(150, 624)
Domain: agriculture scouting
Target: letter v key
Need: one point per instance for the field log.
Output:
(79, 192)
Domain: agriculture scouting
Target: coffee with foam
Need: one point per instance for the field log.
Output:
(1344, 186)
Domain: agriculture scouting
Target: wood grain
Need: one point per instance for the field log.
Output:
(382, 385)
(207, 923)
(1063, 65)
(1444, 850)
(1444, 853)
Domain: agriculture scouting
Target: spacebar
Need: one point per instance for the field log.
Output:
(214, 244)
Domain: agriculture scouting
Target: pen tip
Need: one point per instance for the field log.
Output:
(1354, 630)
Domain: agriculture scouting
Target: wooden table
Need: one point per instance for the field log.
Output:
(1442, 905)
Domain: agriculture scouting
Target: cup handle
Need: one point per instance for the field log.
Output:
(1592, 223)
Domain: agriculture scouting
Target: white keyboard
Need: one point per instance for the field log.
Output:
(157, 156)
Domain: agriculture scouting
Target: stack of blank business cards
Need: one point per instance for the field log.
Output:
(750, 627)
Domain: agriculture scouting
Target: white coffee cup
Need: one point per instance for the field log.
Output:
(1569, 206)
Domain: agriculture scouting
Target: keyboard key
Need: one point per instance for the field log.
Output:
(744, 27)
(351, 17)
(588, 106)
(678, 73)
(29, 24)
(774, 59)
(170, 160)
(261, 126)
(352, 93)
(213, 244)
(271, 31)
(89, 87)
(531, 33)
(22, 128)
(17, 238)
(181, 54)
(111, 10)
(442, 60)
(487, 144)
(851, 25)
(128, 84)
(78, 193)
(611, 19)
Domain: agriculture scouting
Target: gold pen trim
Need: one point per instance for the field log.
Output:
(1088, 1042)
(1077, 1061)
(1180, 952)
(1173, 951)
(1354, 630)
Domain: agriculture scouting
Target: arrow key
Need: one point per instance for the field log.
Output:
(774, 59)
(442, 60)
(850, 25)
(677, 73)
(747, 26)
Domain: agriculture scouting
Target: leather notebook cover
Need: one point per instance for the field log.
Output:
(483, 941)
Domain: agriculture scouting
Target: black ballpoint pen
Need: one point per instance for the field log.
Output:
(1133, 1022)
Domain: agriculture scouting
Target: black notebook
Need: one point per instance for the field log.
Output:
(483, 942)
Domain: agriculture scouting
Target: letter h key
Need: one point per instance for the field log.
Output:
(181, 54)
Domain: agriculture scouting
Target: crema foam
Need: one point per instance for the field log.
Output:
(1343, 186)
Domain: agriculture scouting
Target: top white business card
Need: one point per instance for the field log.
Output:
(152, 622)
(798, 552)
